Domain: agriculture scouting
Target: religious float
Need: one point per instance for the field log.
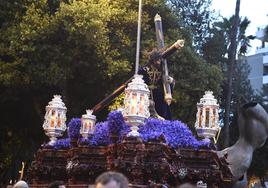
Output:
(155, 153)
(136, 141)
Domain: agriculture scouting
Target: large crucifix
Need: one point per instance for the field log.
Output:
(166, 79)
(155, 74)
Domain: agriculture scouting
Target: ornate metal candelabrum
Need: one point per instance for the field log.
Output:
(88, 124)
(55, 117)
(136, 104)
(207, 117)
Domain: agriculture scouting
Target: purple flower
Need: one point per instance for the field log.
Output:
(115, 122)
(74, 128)
(117, 125)
(62, 144)
(101, 135)
(176, 134)
(123, 132)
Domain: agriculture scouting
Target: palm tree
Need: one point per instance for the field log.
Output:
(232, 51)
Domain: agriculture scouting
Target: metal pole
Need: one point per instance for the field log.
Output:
(138, 39)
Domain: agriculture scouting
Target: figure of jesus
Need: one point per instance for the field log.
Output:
(152, 76)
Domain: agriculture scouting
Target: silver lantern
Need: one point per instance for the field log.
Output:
(88, 121)
(136, 104)
(55, 117)
(207, 117)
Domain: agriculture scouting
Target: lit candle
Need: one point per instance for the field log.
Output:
(59, 121)
(133, 103)
(86, 125)
(90, 127)
(200, 119)
(53, 118)
(142, 105)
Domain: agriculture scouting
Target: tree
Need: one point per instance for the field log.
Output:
(193, 77)
(196, 16)
(242, 93)
(67, 52)
(231, 61)
(216, 51)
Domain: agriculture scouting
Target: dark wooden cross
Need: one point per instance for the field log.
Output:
(164, 68)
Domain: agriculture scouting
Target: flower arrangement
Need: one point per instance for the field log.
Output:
(74, 128)
(62, 144)
(101, 135)
(176, 133)
(117, 124)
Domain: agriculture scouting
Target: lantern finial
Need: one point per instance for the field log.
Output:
(89, 111)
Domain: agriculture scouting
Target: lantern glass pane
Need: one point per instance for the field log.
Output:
(85, 125)
(213, 117)
(90, 127)
(133, 103)
(200, 118)
(127, 100)
(59, 121)
(207, 118)
(142, 104)
(53, 118)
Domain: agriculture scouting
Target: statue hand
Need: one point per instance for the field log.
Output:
(169, 79)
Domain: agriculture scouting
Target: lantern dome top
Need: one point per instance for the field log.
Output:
(57, 103)
(208, 99)
(137, 84)
(89, 114)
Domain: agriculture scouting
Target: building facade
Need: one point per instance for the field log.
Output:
(259, 64)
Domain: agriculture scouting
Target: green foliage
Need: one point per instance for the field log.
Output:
(242, 93)
(193, 77)
(216, 48)
(215, 51)
(117, 103)
(196, 16)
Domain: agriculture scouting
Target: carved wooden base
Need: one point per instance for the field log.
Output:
(85, 164)
(48, 165)
(151, 164)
